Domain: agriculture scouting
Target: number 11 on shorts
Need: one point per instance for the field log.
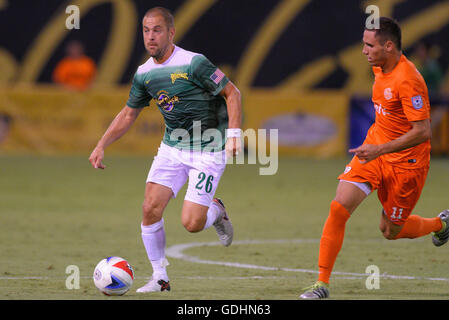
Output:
(399, 216)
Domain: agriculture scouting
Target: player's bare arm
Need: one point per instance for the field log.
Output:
(234, 107)
(419, 133)
(118, 127)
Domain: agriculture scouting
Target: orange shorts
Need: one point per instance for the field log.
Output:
(398, 189)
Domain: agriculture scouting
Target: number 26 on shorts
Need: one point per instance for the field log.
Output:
(205, 182)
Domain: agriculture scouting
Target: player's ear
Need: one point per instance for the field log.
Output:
(389, 46)
(171, 32)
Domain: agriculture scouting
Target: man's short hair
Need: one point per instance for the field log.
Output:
(389, 29)
(165, 13)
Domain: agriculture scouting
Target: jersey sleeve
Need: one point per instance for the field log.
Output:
(207, 75)
(138, 95)
(414, 99)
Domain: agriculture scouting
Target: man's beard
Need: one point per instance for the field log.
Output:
(158, 54)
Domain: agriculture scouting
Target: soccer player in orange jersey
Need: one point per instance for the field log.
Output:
(394, 158)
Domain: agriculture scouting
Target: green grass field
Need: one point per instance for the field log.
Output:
(58, 211)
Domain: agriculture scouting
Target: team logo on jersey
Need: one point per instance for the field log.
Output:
(165, 101)
(347, 169)
(178, 75)
(417, 102)
(388, 94)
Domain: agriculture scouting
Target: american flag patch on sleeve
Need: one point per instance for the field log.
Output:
(217, 76)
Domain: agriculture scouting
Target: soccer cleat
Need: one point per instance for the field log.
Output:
(223, 225)
(155, 285)
(439, 238)
(319, 290)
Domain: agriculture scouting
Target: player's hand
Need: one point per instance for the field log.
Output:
(367, 152)
(96, 158)
(233, 147)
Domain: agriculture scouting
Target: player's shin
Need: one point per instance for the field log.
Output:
(153, 237)
(212, 215)
(416, 226)
(331, 239)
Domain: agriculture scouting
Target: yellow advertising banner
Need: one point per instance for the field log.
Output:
(54, 121)
(310, 124)
(48, 120)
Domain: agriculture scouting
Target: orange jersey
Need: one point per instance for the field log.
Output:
(77, 73)
(400, 97)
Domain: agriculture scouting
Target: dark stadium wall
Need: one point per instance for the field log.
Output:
(271, 43)
(298, 64)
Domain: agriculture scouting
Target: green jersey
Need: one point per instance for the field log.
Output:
(186, 89)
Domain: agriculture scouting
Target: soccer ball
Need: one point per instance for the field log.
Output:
(113, 276)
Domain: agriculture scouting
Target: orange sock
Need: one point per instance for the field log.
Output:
(331, 239)
(416, 226)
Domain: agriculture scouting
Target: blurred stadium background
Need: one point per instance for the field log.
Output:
(298, 64)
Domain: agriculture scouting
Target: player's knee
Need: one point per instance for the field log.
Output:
(389, 234)
(382, 227)
(389, 230)
(152, 209)
(192, 225)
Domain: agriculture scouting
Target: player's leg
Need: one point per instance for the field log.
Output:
(201, 210)
(197, 217)
(194, 216)
(414, 226)
(348, 197)
(153, 235)
(356, 183)
(399, 194)
(165, 179)
(155, 200)
(389, 230)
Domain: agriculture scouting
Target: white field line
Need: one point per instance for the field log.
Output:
(148, 278)
(177, 252)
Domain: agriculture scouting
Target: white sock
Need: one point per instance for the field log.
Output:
(153, 237)
(212, 214)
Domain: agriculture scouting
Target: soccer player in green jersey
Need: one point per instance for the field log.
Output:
(202, 113)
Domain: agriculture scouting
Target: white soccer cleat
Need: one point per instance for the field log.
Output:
(155, 285)
(223, 225)
(319, 290)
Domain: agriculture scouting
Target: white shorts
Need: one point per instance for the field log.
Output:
(172, 168)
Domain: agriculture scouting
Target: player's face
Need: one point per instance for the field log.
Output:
(372, 49)
(157, 37)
